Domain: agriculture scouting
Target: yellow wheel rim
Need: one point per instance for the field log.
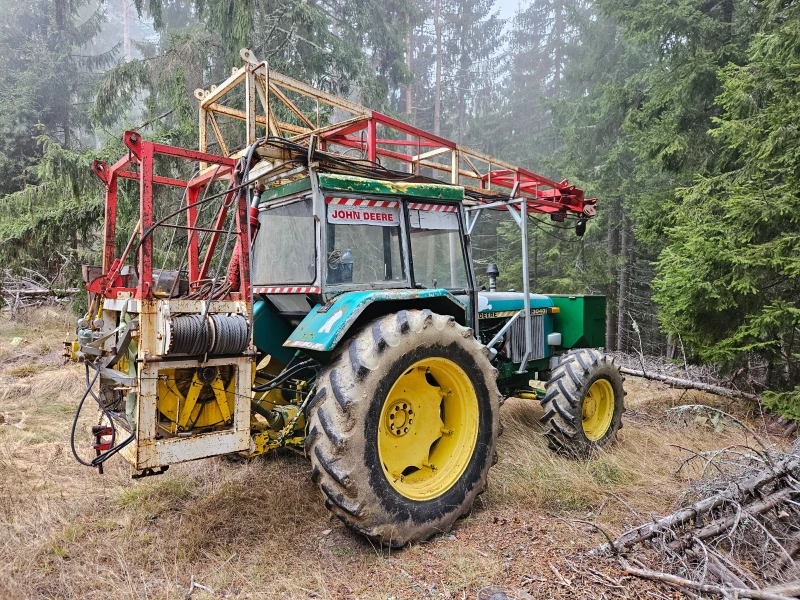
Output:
(428, 428)
(598, 409)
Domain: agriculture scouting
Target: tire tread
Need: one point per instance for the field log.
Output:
(563, 401)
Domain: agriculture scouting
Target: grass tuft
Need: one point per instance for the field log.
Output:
(259, 529)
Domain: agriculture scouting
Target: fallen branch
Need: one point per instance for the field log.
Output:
(700, 587)
(692, 385)
(48, 292)
(791, 589)
(734, 493)
(724, 574)
(193, 585)
(720, 525)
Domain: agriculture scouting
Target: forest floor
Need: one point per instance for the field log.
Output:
(258, 529)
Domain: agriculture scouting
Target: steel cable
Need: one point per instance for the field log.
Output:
(188, 335)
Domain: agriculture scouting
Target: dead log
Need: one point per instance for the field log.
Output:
(692, 385)
(701, 587)
(53, 292)
(791, 588)
(719, 525)
(733, 493)
(716, 567)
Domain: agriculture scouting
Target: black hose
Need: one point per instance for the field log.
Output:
(101, 458)
(283, 376)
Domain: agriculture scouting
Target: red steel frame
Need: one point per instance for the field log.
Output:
(545, 196)
(143, 153)
(414, 148)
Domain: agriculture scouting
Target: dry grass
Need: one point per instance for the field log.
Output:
(259, 530)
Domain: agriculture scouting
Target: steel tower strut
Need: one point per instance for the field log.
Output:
(281, 107)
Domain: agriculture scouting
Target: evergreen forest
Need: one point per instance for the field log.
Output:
(680, 116)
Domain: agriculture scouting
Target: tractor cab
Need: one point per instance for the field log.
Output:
(352, 242)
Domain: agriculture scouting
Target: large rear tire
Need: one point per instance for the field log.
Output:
(403, 427)
(583, 403)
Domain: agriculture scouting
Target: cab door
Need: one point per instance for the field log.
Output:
(439, 254)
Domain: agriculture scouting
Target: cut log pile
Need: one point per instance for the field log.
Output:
(30, 289)
(737, 537)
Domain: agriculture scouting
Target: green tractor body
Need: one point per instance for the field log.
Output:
(394, 262)
(331, 305)
(285, 321)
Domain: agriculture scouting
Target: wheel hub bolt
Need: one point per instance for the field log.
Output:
(399, 418)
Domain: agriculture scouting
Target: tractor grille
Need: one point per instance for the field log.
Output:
(515, 339)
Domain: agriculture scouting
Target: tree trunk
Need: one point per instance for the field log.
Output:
(622, 291)
(126, 30)
(558, 47)
(409, 88)
(408, 66)
(671, 347)
(66, 120)
(613, 252)
(463, 77)
(727, 16)
(437, 100)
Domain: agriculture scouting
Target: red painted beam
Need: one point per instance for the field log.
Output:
(193, 241)
(411, 130)
(346, 129)
(110, 229)
(145, 222)
(193, 155)
(359, 145)
(156, 179)
(401, 142)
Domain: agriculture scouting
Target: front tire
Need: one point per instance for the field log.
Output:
(583, 403)
(403, 428)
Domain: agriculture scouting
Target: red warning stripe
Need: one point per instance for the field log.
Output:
(362, 202)
(287, 290)
(433, 207)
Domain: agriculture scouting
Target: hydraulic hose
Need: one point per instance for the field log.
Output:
(101, 458)
(264, 387)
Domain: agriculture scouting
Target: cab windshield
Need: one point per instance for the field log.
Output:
(284, 247)
(363, 241)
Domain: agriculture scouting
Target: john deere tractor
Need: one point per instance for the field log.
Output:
(316, 290)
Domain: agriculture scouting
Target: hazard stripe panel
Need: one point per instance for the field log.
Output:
(362, 202)
(307, 345)
(286, 290)
(433, 207)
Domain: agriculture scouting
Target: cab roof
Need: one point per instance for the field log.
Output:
(331, 182)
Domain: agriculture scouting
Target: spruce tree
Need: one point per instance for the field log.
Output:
(49, 202)
(729, 279)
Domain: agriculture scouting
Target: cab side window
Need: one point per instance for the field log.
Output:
(436, 247)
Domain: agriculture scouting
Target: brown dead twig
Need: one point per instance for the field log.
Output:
(29, 290)
(738, 534)
(682, 582)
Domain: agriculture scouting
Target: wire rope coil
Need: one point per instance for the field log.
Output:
(230, 334)
(188, 335)
(214, 335)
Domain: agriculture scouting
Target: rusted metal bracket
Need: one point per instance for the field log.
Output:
(150, 472)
